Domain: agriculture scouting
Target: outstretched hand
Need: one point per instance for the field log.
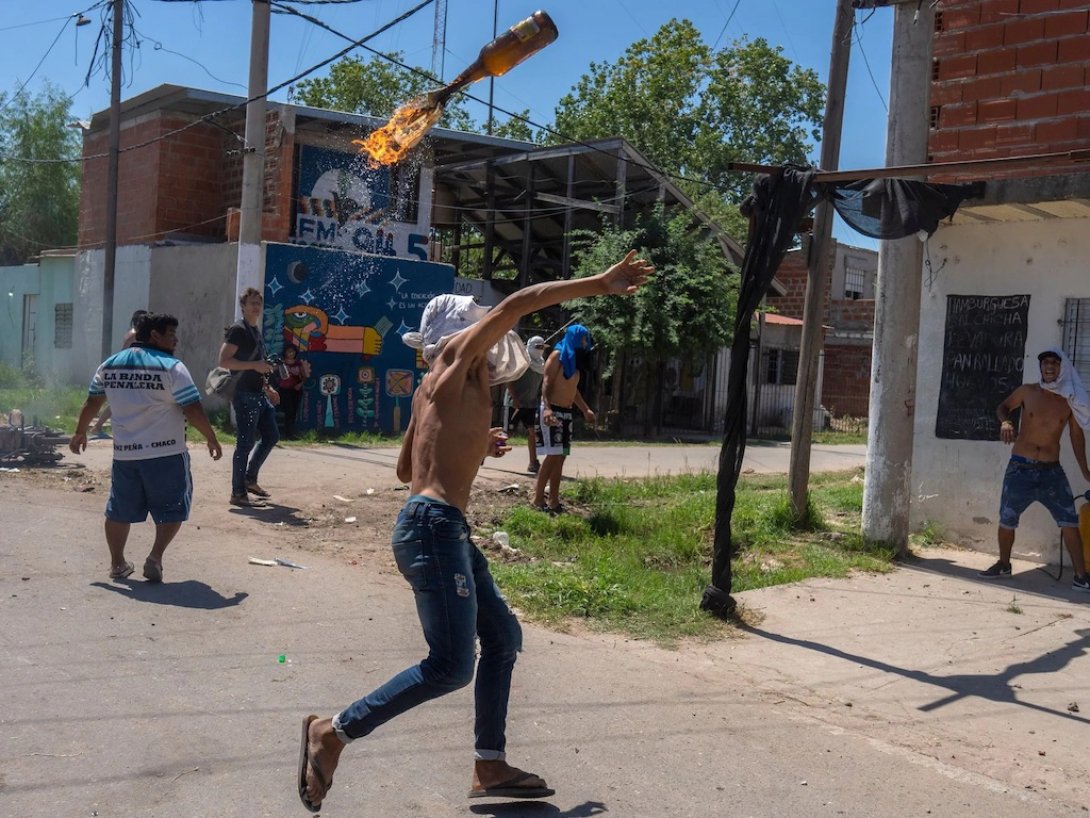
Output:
(627, 275)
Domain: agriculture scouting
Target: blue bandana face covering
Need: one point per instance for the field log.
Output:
(576, 339)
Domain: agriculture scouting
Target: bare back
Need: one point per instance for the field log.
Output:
(1044, 416)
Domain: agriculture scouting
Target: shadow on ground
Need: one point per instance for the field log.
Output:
(185, 594)
(538, 809)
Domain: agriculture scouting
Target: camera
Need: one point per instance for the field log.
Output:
(280, 369)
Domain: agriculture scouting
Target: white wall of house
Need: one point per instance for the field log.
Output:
(131, 281)
(196, 284)
(956, 483)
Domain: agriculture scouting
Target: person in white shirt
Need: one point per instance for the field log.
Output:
(151, 396)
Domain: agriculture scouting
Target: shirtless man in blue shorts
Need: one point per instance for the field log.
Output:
(1034, 473)
(468, 350)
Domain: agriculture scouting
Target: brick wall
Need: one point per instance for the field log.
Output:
(845, 386)
(793, 274)
(1010, 78)
(184, 182)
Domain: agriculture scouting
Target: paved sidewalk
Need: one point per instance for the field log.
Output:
(922, 692)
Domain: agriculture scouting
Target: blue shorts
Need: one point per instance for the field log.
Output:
(160, 486)
(1027, 481)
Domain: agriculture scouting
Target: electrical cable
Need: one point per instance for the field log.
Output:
(8, 101)
(238, 106)
(859, 41)
(158, 46)
(730, 17)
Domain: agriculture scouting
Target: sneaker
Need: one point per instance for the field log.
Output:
(256, 490)
(998, 571)
(1081, 583)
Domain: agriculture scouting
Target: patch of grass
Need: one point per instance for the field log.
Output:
(1013, 607)
(636, 557)
(54, 406)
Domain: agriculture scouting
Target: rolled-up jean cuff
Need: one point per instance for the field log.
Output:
(339, 729)
(489, 755)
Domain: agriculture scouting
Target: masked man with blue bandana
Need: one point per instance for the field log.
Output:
(559, 390)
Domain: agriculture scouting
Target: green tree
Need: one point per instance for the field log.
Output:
(691, 109)
(376, 88)
(687, 309)
(39, 200)
(516, 128)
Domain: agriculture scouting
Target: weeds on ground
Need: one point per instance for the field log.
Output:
(636, 555)
(1013, 607)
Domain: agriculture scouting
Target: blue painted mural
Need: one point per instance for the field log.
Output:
(346, 313)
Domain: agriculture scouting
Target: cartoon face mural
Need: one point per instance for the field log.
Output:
(346, 312)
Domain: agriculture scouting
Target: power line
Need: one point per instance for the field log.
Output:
(730, 17)
(859, 41)
(39, 65)
(208, 118)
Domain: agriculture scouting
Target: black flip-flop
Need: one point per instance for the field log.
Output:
(304, 761)
(511, 789)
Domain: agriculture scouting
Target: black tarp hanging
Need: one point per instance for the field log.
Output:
(880, 208)
(774, 209)
(895, 208)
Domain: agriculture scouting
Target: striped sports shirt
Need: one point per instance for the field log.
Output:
(146, 389)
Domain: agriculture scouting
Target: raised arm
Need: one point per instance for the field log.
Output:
(623, 278)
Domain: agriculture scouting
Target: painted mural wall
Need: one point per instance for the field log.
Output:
(342, 202)
(346, 312)
(1023, 268)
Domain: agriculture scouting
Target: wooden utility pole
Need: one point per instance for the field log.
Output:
(109, 261)
(248, 272)
(886, 485)
(802, 420)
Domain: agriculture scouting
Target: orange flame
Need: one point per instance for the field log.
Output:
(406, 127)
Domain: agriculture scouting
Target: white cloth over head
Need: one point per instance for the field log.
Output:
(448, 314)
(535, 348)
(1068, 385)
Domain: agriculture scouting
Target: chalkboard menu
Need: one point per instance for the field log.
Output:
(983, 352)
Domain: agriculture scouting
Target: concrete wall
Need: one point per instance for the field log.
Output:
(195, 284)
(51, 281)
(956, 483)
(15, 283)
(131, 274)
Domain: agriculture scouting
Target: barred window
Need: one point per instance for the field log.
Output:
(782, 366)
(855, 282)
(62, 326)
(1077, 335)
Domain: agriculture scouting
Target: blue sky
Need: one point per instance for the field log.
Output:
(214, 35)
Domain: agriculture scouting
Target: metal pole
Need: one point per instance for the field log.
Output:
(492, 80)
(897, 298)
(109, 261)
(802, 418)
(248, 272)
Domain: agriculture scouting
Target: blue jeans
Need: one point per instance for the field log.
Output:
(456, 600)
(1026, 481)
(253, 415)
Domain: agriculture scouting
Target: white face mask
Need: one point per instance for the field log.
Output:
(535, 348)
(447, 315)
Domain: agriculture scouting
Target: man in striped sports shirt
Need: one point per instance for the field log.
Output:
(151, 396)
